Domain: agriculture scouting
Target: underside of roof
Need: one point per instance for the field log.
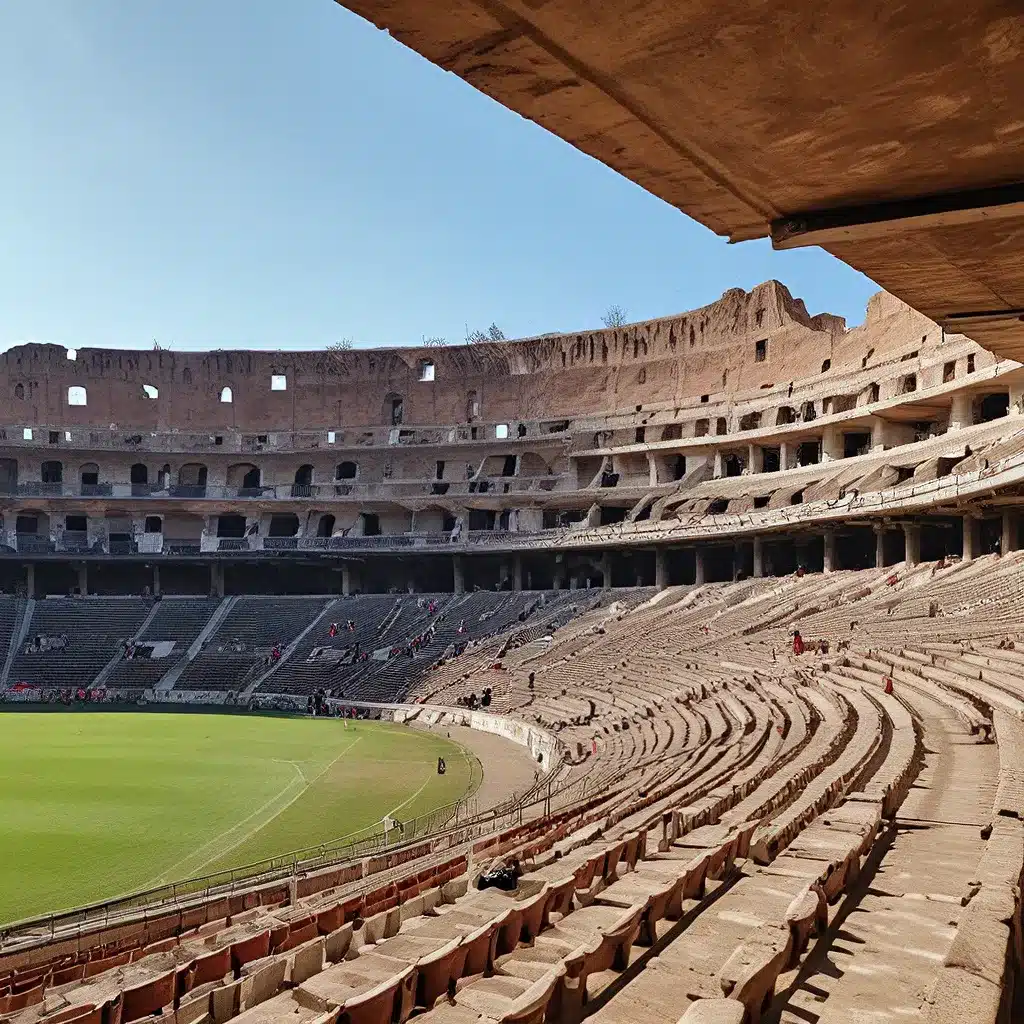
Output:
(890, 134)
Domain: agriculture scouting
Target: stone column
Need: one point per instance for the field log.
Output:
(661, 568)
(606, 570)
(652, 470)
(1008, 542)
(517, 572)
(877, 434)
(970, 531)
(784, 455)
(217, 580)
(700, 567)
(758, 557)
(346, 579)
(879, 546)
(831, 444)
(156, 580)
(829, 551)
(83, 578)
(960, 411)
(719, 466)
(912, 540)
(755, 458)
(458, 574)
(30, 580)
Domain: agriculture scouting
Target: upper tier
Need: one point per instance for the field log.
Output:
(673, 360)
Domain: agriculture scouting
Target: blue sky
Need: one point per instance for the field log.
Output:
(270, 174)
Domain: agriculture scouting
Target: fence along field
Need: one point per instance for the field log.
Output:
(100, 804)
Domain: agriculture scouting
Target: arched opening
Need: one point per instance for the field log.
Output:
(164, 478)
(151, 392)
(325, 528)
(52, 473)
(283, 525)
(154, 524)
(303, 485)
(19, 390)
(191, 481)
(394, 409)
(8, 476)
(472, 406)
(246, 478)
(77, 395)
(89, 477)
(226, 396)
(786, 414)
(139, 473)
(346, 471)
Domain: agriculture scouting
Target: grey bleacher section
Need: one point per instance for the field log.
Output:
(95, 627)
(238, 649)
(11, 611)
(180, 619)
(393, 622)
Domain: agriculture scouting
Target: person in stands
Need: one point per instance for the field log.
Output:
(798, 642)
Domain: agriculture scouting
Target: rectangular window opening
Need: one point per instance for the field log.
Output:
(278, 382)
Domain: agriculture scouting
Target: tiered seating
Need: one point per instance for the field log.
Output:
(180, 619)
(95, 628)
(241, 644)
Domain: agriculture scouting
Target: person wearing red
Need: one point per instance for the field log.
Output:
(798, 643)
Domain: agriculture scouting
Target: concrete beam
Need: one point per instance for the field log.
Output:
(895, 219)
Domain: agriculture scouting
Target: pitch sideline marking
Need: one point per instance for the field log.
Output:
(219, 850)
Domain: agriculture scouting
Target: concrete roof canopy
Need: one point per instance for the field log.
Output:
(891, 135)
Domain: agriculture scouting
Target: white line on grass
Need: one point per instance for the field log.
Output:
(218, 841)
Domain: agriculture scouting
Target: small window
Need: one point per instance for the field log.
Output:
(970, 363)
(761, 351)
(331, 436)
(948, 371)
(426, 370)
(704, 399)
(72, 353)
(154, 524)
(501, 431)
(225, 396)
(278, 382)
(19, 390)
(27, 434)
(76, 395)
(54, 436)
(826, 366)
(151, 392)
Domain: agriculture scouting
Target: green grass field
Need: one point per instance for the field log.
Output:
(98, 804)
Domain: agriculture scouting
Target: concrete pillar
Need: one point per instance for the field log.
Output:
(346, 580)
(755, 458)
(661, 568)
(877, 433)
(831, 444)
(879, 547)
(30, 580)
(700, 567)
(758, 557)
(217, 580)
(1008, 541)
(784, 455)
(156, 580)
(83, 579)
(970, 531)
(960, 411)
(517, 572)
(606, 570)
(719, 468)
(829, 555)
(458, 575)
(912, 539)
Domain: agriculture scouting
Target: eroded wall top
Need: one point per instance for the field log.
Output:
(742, 342)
